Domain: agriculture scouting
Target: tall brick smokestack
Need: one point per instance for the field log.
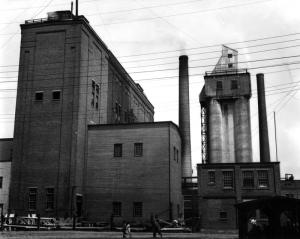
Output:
(262, 120)
(184, 116)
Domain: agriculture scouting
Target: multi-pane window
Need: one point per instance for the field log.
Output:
(32, 197)
(219, 85)
(49, 198)
(95, 95)
(211, 177)
(228, 179)
(117, 209)
(39, 96)
(223, 216)
(118, 112)
(117, 150)
(262, 179)
(229, 55)
(138, 149)
(230, 65)
(234, 84)
(1, 182)
(137, 209)
(248, 179)
(56, 95)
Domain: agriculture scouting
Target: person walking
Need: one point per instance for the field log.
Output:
(126, 230)
(155, 226)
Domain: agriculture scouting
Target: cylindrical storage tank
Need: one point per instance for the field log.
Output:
(184, 116)
(215, 132)
(262, 120)
(242, 131)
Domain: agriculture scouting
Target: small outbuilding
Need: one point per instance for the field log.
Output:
(273, 217)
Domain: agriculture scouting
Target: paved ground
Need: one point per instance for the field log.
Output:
(92, 235)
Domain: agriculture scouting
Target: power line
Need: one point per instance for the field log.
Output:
(168, 69)
(181, 14)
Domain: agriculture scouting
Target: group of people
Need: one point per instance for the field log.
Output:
(154, 224)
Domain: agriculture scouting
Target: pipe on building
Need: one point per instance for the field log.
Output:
(262, 120)
(243, 141)
(184, 116)
(76, 8)
(215, 137)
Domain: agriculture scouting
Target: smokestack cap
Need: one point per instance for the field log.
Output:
(183, 58)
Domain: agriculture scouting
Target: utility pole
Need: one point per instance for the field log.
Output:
(275, 135)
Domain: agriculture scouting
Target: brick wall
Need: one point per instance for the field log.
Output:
(216, 200)
(153, 179)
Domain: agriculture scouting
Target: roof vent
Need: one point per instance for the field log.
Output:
(59, 15)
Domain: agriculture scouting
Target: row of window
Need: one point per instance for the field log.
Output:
(138, 150)
(39, 95)
(234, 85)
(248, 179)
(32, 199)
(136, 212)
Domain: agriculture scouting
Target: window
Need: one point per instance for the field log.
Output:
(230, 55)
(223, 216)
(97, 89)
(177, 155)
(211, 177)
(228, 179)
(234, 84)
(39, 96)
(49, 198)
(1, 182)
(97, 102)
(138, 149)
(174, 152)
(117, 209)
(263, 179)
(230, 65)
(117, 150)
(56, 95)
(248, 179)
(137, 209)
(32, 196)
(219, 85)
(93, 85)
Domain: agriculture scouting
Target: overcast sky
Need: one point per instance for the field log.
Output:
(148, 37)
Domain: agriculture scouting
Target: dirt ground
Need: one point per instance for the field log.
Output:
(92, 235)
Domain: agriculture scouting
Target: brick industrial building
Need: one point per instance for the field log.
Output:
(84, 131)
(86, 144)
(6, 147)
(228, 175)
